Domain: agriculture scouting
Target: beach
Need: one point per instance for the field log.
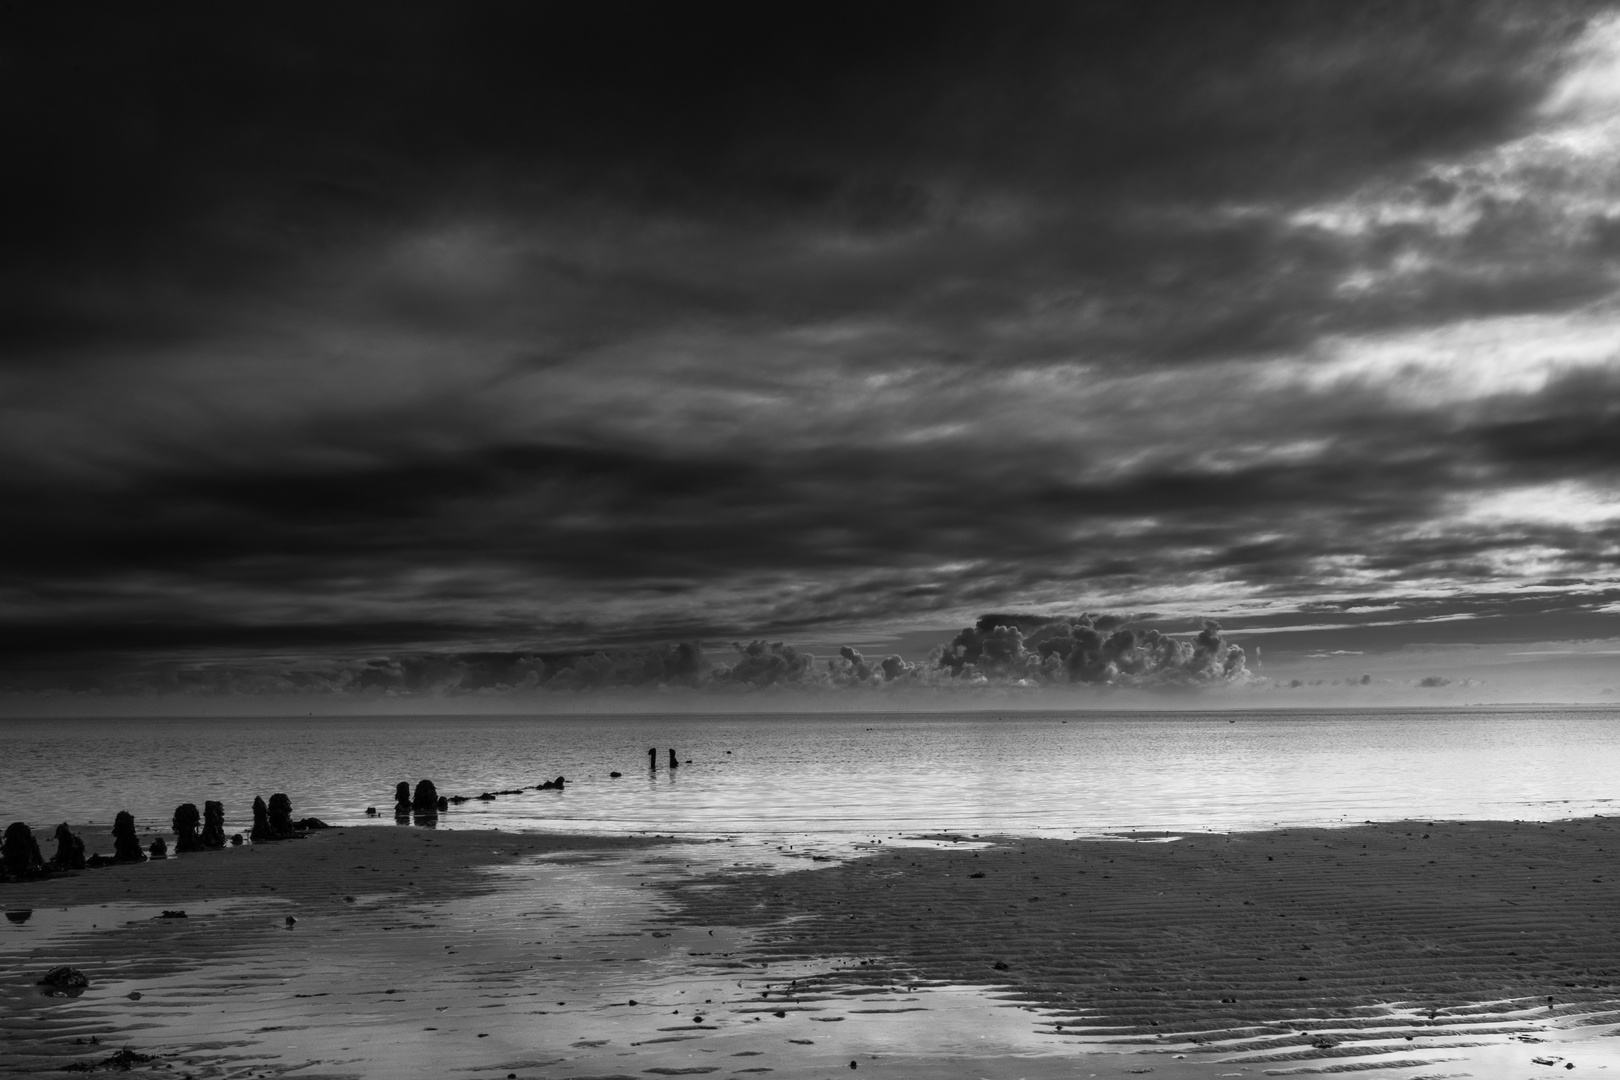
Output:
(1408, 949)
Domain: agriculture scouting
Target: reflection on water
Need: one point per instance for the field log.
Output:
(568, 970)
(847, 776)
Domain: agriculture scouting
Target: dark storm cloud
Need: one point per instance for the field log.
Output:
(875, 530)
(510, 328)
(1571, 427)
(172, 164)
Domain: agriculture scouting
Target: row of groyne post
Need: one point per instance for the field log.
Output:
(22, 860)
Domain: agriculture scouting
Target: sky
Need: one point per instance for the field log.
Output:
(1164, 352)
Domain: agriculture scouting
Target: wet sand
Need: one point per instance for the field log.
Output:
(1408, 950)
(321, 867)
(1411, 933)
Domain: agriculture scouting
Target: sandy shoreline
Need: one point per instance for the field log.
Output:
(1302, 946)
(323, 866)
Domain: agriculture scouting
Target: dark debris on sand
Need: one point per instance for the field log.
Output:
(121, 1061)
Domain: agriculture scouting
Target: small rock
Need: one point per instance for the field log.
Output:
(65, 980)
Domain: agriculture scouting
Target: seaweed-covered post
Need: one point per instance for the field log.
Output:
(126, 845)
(402, 799)
(69, 849)
(281, 822)
(426, 800)
(19, 852)
(213, 834)
(186, 822)
(261, 821)
(674, 763)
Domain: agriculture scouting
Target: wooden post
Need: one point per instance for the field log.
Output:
(652, 759)
(672, 762)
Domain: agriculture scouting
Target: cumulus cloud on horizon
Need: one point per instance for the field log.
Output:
(999, 651)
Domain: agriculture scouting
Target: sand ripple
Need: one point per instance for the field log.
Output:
(1396, 942)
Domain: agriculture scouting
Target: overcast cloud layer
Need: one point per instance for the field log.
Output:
(391, 335)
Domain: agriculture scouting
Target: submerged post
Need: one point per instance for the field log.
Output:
(674, 764)
(652, 759)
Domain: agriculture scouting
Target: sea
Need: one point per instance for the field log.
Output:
(478, 975)
(833, 781)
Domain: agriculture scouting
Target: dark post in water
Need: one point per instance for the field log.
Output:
(673, 764)
(652, 759)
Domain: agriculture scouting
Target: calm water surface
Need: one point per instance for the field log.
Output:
(838, 778)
